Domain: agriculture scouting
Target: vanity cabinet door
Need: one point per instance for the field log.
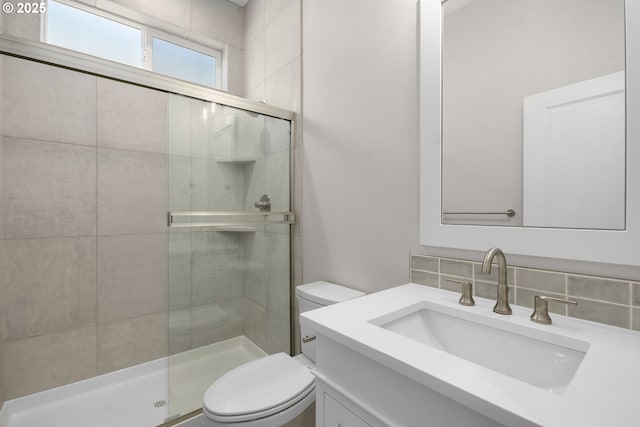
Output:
(336, 415)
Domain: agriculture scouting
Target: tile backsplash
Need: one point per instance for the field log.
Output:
(600, 299)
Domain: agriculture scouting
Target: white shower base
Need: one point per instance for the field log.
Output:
(132, 397)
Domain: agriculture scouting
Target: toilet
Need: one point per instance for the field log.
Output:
(272, 390)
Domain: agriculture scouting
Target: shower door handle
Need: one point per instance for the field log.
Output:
(264, 204)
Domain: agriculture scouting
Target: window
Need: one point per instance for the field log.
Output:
(106, 36)
(183, 63)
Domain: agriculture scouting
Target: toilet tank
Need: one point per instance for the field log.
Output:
(315, 295)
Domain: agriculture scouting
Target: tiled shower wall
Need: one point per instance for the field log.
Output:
(84, 241)
(92, 316)
(83, 247)
(600, 299)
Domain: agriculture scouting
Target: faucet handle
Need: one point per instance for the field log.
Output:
(541, 308)
(467, 292)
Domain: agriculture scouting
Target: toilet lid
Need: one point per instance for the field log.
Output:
(259, 388)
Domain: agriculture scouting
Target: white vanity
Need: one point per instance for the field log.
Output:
(412, 356)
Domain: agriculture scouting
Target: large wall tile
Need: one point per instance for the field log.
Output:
(235, 71)
(254, 319)
(275, 7)
(180, 183)
(219, 20)
(203, 185)
(216, 267)
(216, 322)
(131, 117)
(131, 276)
(48, 285)
(131, 192)
(283, 40)
(278, 335)
(204, 123)
(47, 361)
(254, 61)
(278, 256)
(132, 341)
(48, 103)
(256, 278)
(49, 189)
(179, 327)
(283, 86)
(255, 17)
(21, 25)
(179, 293)
(277, 181)
(257, 93)
(217, 186)
(179, 125)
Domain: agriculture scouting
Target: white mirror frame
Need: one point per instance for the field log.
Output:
(618, 247)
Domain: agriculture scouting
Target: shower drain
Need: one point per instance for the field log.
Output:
(160, 403)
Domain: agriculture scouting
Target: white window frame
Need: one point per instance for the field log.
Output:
(148, 33)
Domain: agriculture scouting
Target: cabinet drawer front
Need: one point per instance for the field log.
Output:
(336, 415)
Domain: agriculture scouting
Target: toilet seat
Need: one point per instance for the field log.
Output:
(258, 389)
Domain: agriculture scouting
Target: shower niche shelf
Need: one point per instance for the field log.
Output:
(236, 229)
(237, 161)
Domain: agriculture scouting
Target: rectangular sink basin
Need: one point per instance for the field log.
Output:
(545, 360)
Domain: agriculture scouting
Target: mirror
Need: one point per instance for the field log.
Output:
(618, 245)
(533, 113)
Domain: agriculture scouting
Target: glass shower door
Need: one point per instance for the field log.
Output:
(229, 243)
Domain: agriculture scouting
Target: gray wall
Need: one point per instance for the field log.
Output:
(361, 168)
(360, 176)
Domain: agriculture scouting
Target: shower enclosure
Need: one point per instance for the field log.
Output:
(144, 222)
(229, 245)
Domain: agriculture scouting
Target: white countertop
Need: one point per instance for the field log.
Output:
(605, 390)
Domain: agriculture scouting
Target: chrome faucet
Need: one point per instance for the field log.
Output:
(502, 304)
